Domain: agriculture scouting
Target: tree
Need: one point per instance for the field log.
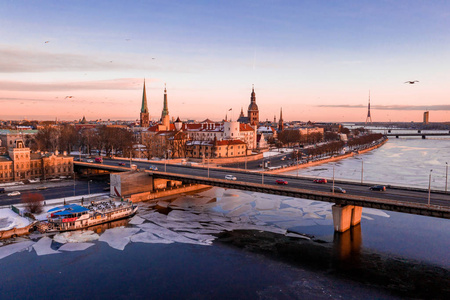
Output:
(33, 202)
(47, 138)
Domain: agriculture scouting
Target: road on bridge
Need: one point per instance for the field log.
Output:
(410, 195)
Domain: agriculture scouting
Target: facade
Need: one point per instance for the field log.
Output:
(21, 164)
(216, 149)
(144, 115)
(8, 138)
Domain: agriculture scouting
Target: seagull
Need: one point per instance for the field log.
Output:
(68, 97)
(412, 82)
(46, 42)
(153, 58)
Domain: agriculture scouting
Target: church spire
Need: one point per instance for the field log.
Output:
(165, 111)
(369, 118)
(144, 107)
(144, 115)
(281, 122)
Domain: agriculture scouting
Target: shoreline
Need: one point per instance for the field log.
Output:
(326, 160)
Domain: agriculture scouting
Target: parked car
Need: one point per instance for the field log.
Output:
(380, 188)
(153, 168)
(338, 189)
(281, 181)
(15, 193)
(230, 177)
(320, 180)
(121, 164)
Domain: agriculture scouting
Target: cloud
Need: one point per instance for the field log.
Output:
(112, 84)
(391, 107)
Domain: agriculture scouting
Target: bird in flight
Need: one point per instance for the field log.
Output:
(68, 97)
(412, 82)
(46, 42)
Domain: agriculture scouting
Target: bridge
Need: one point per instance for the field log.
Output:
(347, 207)
(418, 133)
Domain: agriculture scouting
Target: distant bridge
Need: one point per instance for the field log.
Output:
(419, 133)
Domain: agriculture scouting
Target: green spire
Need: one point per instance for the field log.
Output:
(165, 110)
(144, 108)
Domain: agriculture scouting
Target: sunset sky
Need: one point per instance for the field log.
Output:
(317, 60)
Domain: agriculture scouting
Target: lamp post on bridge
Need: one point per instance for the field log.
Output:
(429, 188)
(362, 170)
(446, 176)
(333, 180)
(262, 173)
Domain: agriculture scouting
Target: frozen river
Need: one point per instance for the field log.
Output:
(234, 244)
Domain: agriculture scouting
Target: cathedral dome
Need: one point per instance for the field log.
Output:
(253, 106)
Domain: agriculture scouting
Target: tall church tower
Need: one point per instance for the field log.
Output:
(144, 116)
(165, 111)
(280, 122)
(253, 111)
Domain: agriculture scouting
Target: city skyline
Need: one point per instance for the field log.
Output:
(317, 61)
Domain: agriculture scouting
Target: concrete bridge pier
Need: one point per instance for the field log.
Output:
(345, 216)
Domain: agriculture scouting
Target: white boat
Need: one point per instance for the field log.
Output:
(74, 216)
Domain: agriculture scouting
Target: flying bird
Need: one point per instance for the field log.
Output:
(68, 97)
(412, 82)
(46, 42)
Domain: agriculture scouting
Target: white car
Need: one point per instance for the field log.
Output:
(90, 160)
(153, 168)
(15, 193)
(230, 177)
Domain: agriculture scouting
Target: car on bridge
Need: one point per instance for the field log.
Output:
(230, 177)
(281, 181)
(121, 164)
(15, 193)
(338, 189)
(90, 160)
(380, 188)
(153, 168)
(320, 180)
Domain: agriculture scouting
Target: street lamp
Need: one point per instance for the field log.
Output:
(333, 180)
(362, 170)
(429, 187)
(262, 173)
(74, 184)
(446, 176)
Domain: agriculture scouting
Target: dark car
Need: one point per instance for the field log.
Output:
(338, 189)
(380, 188)
(320, 180)
(121, 164)
(281, 181)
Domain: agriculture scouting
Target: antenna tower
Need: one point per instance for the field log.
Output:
(369, 118)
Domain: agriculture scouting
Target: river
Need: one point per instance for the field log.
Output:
(223, 244)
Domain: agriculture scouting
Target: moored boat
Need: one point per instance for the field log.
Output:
(74, 216)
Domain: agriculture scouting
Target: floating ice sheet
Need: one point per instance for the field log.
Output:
(76, 237)
(13, 248)
(147, 237)
(118, 237)
(43, 247)
(136, 220)
(75, 246)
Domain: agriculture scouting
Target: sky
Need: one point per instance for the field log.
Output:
(315, 60)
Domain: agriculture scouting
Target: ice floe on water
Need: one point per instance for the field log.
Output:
(136, 220)
(75, 246)
(43, 247)
(118, 237)
(7, 250)
(76, 237)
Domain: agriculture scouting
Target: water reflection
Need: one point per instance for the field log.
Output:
(347, 245)
(99, 229)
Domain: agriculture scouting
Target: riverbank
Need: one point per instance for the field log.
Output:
(326, 160)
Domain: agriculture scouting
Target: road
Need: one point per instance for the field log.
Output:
(352, 188)
(54, 190)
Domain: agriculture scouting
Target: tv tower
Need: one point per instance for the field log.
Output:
(369, 118)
